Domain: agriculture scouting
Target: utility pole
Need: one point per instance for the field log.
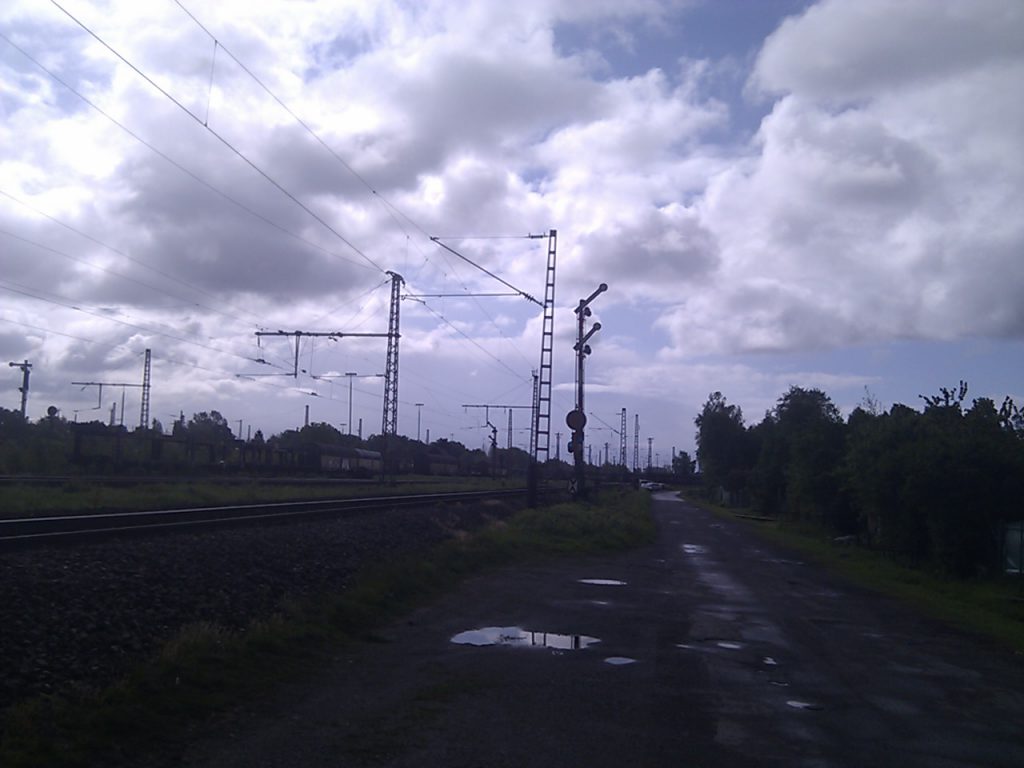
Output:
(419, 411)
(576, 420)
(350, 375)
(558, 446)
(144, 410)
(99, 403)
(487, 413)
(636, 442)
(650, 442)
(622, 440)
(26, 367)
(494, 448)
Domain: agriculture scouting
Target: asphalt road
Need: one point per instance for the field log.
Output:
(715, 650)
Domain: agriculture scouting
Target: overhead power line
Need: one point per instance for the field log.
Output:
(241, 155)
(486, 271)
(194, 176)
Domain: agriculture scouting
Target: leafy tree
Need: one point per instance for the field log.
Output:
(684, 468)
(724, 449)
(209, 428)
(805, 443)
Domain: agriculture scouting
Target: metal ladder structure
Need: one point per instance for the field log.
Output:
(146, 383)
(622, 440)
(390, 421)
(541, 433)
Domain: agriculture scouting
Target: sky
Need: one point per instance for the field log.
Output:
(777, 193)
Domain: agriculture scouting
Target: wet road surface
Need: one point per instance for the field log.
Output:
(709, 648)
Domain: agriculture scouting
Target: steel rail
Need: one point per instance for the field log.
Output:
(25, 532)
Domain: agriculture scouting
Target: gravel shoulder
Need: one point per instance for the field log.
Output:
(76, 617)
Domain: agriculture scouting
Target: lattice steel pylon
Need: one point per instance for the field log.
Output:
(622, 439)
(144, 414)
(390, 422)
(636, 442)
(542, 422)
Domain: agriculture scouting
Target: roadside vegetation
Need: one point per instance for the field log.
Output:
(207, 669)
(938, 489)
(990, 607)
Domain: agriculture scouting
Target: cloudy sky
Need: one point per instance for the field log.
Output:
(777, 192)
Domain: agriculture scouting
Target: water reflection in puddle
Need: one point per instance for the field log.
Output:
(729, 645)
(694, 549)
(517, 637)
(619, 661)
(604, 582)
(769, 661)
(802, 705)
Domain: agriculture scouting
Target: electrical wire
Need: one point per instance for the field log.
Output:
(241, 206)
(67, 304)
(237, 152)
(393, 210)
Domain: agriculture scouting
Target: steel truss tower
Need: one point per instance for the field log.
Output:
(636, 442)
(144, 415)
(390, 424)
(622, 439)
(541, 433)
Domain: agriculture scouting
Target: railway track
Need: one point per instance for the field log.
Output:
(28, 532)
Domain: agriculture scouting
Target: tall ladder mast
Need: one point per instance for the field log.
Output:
(390, 422)
(542, 425)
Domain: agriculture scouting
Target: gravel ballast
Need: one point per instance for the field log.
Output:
(78, 617)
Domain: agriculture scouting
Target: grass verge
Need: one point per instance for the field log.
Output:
(993, 608)
(206, 669)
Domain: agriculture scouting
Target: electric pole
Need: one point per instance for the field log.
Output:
(144, 410)
(576, 419)
(622, 440)
(419, 411)
(487, 413)
(26, 367)
(636, 442)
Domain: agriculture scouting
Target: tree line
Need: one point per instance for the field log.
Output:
(934, 487)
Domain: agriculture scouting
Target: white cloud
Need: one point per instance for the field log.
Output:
(879, 199)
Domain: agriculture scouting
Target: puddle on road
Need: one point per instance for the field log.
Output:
(803, 705)
(769, 661)
(604, 582)
(729, 645)
(517, 637)
(619, 661)
(779, 683)
(694, 549)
